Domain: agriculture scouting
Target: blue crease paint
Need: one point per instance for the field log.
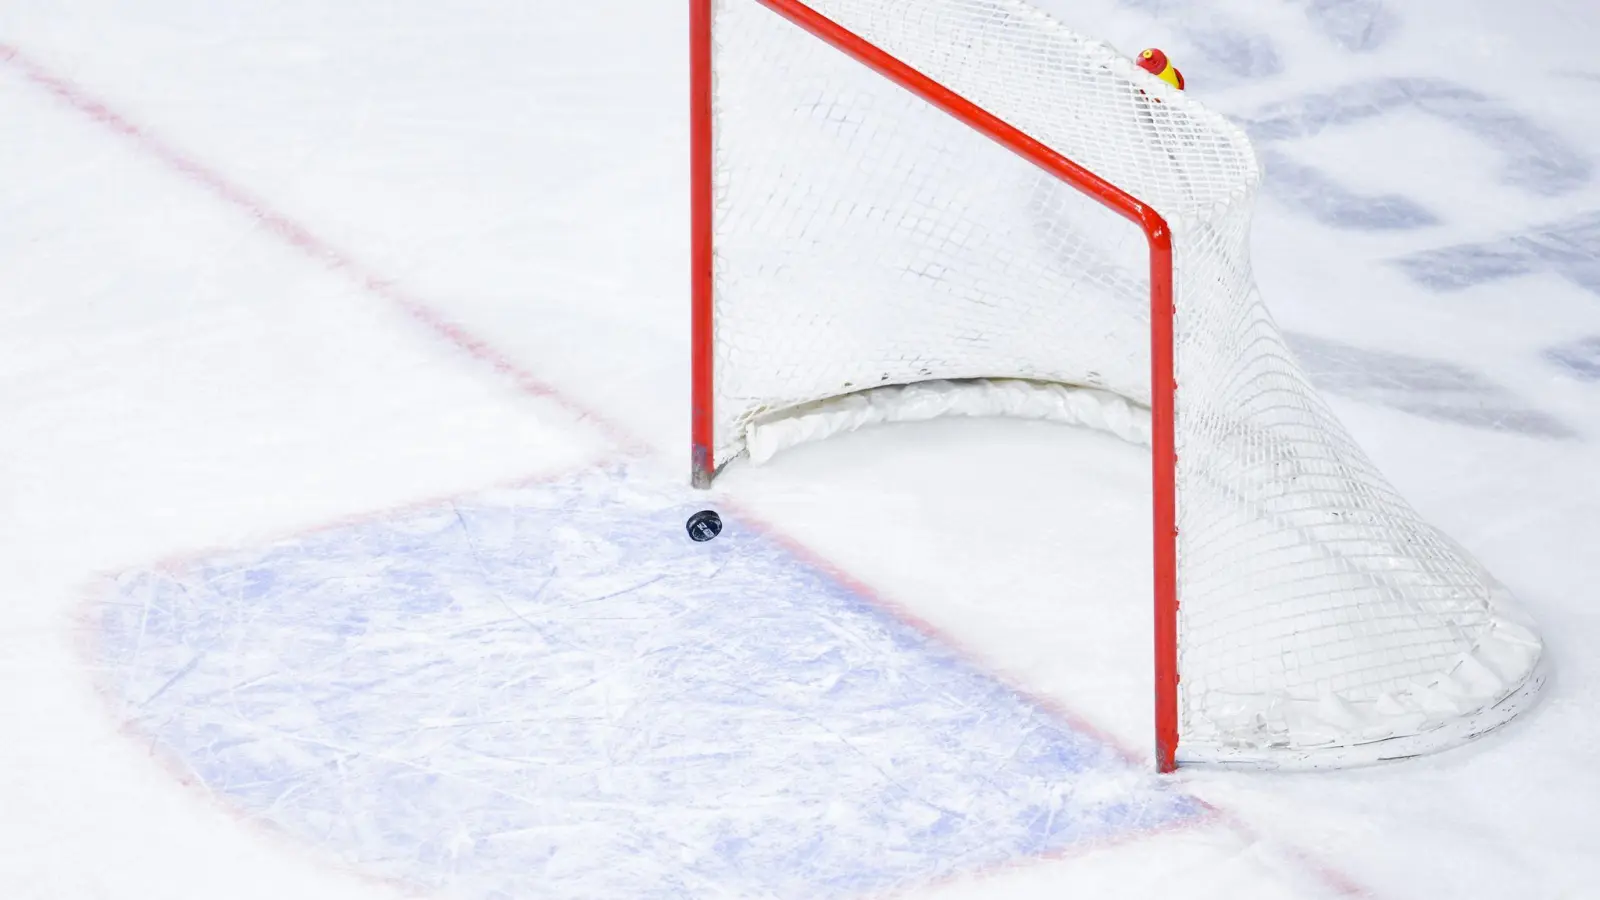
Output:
(552, 692)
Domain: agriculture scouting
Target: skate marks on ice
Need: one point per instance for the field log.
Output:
(550, 691)
(1432, 389)
(1569, 248)
(1234, 53)
(1320, 195)
(1532, 158)
(1355, 25)
(1580, 358)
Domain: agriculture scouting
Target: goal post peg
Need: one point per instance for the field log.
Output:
(1156, 63)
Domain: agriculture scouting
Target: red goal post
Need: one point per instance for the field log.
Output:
(1323, 622)
(1013, 139)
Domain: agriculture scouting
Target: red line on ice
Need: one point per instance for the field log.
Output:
(303, 239)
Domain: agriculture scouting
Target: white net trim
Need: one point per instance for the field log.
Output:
(925, 400)
(865, 239)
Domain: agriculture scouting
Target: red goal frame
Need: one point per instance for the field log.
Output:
(1157, 234)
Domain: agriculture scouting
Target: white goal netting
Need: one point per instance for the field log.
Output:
(865, 240)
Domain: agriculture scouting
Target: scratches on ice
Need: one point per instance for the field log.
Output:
(551, 692)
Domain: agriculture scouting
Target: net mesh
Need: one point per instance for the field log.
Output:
(864, 238)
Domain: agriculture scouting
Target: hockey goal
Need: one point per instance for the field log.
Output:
(909, 208)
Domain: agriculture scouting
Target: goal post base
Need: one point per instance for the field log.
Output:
(702, 471)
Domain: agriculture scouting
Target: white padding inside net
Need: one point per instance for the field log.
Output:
(922, 401)
(866, 242)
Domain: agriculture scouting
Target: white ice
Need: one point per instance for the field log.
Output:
(183, 367)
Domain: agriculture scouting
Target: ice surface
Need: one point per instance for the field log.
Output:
(174, 376)
(552, 692)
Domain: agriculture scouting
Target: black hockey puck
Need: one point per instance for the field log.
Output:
(704, 525)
